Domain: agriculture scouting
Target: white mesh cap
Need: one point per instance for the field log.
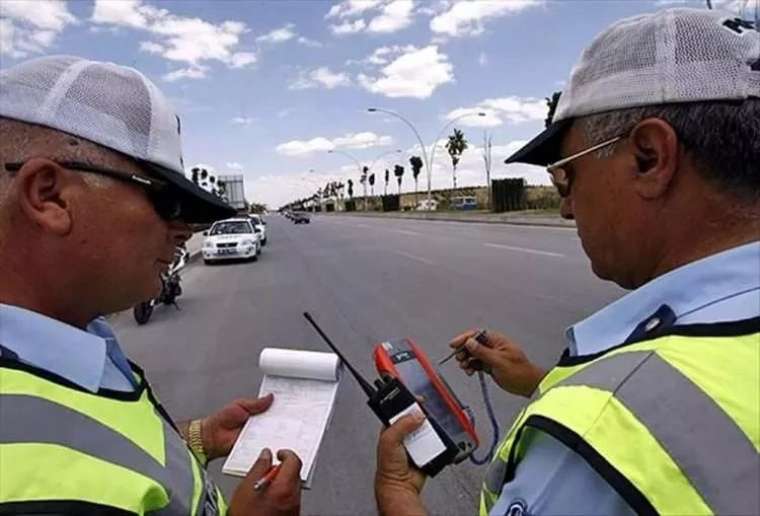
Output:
(112, 105)
(671, 56)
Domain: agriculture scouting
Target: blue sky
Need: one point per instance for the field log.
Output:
(266, 88)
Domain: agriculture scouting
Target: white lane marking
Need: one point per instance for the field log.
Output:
(413, 257)
(363, 226)
(523, 249)
(405, 232)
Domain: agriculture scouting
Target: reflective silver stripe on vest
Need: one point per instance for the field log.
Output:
(30, 419)
(708, 446)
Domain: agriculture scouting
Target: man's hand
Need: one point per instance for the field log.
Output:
(501, 358)
(397, 483)
(220, 431)
(282, 497)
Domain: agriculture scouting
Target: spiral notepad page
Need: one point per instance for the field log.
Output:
(304, 384)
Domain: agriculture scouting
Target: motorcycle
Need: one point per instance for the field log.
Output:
(170, 289)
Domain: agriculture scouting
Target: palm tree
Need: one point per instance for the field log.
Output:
(387, 177)
(416, 163)
(372, 183)
(456, 145)
(398, 171)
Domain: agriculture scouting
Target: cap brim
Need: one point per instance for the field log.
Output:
(198, 205)
(544, 148)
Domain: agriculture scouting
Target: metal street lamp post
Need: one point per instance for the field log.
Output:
(428, 160)
(359, 166)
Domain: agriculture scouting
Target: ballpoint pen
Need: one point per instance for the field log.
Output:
(480, 337)
(267, 478)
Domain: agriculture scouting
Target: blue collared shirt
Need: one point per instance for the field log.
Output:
(551, 478)
(86, 358)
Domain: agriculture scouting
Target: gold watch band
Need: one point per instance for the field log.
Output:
(195, 441)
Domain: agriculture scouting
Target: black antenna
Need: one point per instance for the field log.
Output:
(366, 387)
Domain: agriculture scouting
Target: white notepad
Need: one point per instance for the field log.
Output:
(304, 384)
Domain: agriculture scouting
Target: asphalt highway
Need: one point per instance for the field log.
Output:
(365, 281)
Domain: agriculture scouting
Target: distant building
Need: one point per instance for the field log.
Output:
(233, 190)
(229, 187)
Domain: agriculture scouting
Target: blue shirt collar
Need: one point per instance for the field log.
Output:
(684, 290)
(41, 341)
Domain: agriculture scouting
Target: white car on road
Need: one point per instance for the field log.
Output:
(230, 239)
(260, 227)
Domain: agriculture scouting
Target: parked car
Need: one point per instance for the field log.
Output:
(427, 205)
(230, 239)
(260, 226)
(464, 203)
(300, 217)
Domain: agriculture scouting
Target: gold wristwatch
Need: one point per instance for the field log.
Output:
(195, 441)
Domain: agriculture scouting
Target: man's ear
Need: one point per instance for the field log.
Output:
(43, 195)
(655, 147)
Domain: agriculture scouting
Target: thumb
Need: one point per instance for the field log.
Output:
(479, 351)
(394, 434)
(260, 467)
(257, 405)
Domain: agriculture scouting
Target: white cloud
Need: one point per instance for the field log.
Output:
(512, 109)
(395, 16)
(320, 77)
(151, 47)
(280, 35)
(191, 41)
(482, 59)
(234, 165)
(348, 27)
(466, 18)
(517, 109)
(6, 37)
(385, 16)
(301, 148)
(417, 74)
(30, 26)
(363, 140)
(192, 72)
(309, 42)
(242, 59)
(42, 14)
(243, 120)
(471, 118)
(349, 8)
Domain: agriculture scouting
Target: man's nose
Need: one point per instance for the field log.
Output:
(566, 208)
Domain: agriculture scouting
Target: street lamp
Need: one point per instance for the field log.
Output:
(427, 160)
(359, 166)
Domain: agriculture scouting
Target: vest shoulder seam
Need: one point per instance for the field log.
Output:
(720, 329)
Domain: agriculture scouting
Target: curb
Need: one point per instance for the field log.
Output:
(193, 256)
(516, 222)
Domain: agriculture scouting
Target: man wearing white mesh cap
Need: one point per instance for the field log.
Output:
(93, 203)
(654, 407)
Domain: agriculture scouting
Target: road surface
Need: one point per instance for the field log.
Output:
(365, 280)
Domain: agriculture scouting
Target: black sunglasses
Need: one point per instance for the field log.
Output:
(164, 200)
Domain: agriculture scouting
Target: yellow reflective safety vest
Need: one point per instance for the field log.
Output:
(671, 423)
(65, 450)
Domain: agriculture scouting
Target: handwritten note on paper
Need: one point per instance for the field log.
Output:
(299, 415)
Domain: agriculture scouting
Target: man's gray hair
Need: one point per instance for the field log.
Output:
(722, 137)
(20, 140)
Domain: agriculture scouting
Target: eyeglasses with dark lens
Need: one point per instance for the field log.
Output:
(164, 200)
